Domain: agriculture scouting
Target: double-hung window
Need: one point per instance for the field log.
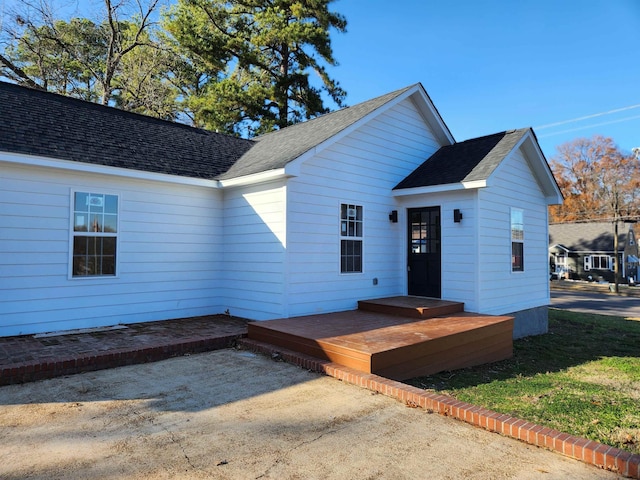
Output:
(517, 240)
(95, 232)
(350, 238)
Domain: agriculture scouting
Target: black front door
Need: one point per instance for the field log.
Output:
(424, 261)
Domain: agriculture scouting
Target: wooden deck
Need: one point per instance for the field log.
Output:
(397, 337)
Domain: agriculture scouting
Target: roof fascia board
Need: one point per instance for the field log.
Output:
(427, 105)
(542, 169)
(255, 178)
(431, 115)
(348, 130)
(449, 187)
(69, 165)
(501, 165)
(538, 164)
(475, 184)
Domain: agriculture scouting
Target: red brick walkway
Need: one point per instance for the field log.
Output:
(27, 358)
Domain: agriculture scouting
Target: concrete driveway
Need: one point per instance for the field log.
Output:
(236, 415)
(600, 303)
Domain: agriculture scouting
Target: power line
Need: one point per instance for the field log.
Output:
(586, 117)
(587, 126)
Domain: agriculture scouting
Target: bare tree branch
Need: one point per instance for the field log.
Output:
(24, 78)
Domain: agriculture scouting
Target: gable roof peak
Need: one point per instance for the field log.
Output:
(276, 149)
(470, 160)
(363, 106)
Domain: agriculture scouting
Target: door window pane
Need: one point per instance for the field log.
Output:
(425, 232)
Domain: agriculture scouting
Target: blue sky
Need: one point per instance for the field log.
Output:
(492, 65)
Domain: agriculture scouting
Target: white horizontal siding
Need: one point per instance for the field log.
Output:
(459, 249)
(268, 250)
(501, 290)
(169, 245)
(254, 251)
(362, 168)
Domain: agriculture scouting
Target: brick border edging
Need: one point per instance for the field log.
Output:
(588, 451)
(31, 372)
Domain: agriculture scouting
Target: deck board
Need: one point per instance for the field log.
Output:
(390, 345)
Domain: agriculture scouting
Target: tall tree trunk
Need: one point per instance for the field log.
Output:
(283, 101)
(616, 218)
(616, 263)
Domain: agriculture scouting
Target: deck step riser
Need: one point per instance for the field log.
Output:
(324, 350)
(411, 312)
(496, 345)
(411, 307)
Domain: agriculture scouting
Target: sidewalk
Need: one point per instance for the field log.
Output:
(570, 285)
(29, 358)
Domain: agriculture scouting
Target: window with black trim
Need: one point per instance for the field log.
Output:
(350, 238)
(517, 240)
(95, 232)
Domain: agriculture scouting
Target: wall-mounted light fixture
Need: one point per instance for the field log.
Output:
(457, 215)
(393, 216)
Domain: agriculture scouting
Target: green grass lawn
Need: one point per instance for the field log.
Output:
(582, 378)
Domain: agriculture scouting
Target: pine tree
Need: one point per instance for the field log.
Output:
(257, 57)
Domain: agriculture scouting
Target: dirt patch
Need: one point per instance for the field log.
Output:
(235, 415)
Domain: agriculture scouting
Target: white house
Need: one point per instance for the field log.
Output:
(108, 217)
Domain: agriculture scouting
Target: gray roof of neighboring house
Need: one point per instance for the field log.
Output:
(274, 150)
(587, 236)
(34, 122)
(467, 161)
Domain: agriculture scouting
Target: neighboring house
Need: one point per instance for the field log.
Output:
(585, 251)
(109, 217)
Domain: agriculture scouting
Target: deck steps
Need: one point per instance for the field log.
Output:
(411, 307)
(393, 345)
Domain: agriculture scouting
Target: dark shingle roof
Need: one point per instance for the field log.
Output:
(587, 236)
(50, 125)
(274, 150)
(467, 161)
(39, 123)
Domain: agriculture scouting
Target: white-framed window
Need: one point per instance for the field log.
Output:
(94, 234)
(351, 230)
(598, 262)
(517, 240)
